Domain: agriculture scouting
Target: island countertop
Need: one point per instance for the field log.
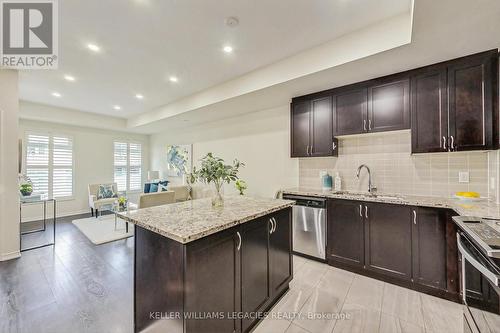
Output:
(190, 220)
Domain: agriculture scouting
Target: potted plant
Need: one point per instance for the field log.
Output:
(26, 189)
(241, 186)
(214, 171)
(122, 203)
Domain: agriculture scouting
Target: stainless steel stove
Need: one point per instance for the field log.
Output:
(479, 245)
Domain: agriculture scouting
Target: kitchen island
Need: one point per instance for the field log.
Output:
(203, 269)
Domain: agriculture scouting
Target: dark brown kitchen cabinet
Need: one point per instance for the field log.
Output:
(454, 105)
(429, 247)
(429, 105)
(389, 106)
(266, 263)
(388, 239)
(312, 128)
(301, 120)
(470, 89)
(235, 273)
(350, 112)
(213, 282)
(280, 247)
(254, 268)
(345, 232)
(409, 246)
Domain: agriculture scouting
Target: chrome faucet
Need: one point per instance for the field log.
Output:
(371, 187)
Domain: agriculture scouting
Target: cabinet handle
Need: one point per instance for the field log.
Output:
(452, 143)
(364, 125)
(239, 240)
(334, 146)
(414, 217)
(444, 142)
(370, 124)
(312, 150)
(360, 210)
(366, 211)
(271, 229)
(307, 150)
(275, 225)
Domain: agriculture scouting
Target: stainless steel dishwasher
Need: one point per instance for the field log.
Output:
(309, 226)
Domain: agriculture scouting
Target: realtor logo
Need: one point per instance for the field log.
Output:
(28, 34)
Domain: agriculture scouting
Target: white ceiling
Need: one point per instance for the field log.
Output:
(143, 42)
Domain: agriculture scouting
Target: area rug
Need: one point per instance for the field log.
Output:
(102, 230)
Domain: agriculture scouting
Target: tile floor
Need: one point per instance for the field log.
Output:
(358, 304)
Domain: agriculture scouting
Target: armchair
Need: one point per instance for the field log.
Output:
(94, 202)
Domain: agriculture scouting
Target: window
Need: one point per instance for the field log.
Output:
(128, 166)
(49, 164)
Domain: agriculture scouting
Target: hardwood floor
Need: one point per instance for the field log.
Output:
(74, 287)
(80, 287)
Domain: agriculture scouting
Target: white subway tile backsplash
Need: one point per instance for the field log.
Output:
(395, 170)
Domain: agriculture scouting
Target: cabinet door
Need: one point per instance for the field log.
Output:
(345, 232)
(254, 269)
(429, 111)
(389, 106)
(300, 118)
(388, 239)
(213, 282)
(470, 86)
(349, 112)
(321, 127)
(429, 247)
(281, 251)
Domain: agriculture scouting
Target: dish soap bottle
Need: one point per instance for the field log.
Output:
(326, 181)
(338, 182)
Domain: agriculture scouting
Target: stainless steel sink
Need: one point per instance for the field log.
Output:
(369, 195)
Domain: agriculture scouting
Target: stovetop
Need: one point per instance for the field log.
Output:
(485, 233)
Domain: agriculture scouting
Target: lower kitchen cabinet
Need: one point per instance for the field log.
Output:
(254, 268)
(414, 247)
(345, 232)
(280, 247)
(388, 239)
(429, 247)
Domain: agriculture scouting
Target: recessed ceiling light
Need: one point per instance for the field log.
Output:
(228, 49)
(93, 47)
(173, 79)
(69, 78)
(56, 94)
(117, 107)
(139, 96)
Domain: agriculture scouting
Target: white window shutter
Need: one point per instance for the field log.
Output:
(37, 162)
(62, 182)
(120, 165)
(135, 159)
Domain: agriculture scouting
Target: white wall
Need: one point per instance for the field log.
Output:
(9, 198)
(260, 139)
(93, 161)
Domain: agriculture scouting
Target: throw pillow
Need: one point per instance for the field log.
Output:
(153, 188)
(106, 191)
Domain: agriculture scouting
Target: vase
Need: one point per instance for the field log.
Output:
(218, 195)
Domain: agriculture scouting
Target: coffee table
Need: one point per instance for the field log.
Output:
(116, 209)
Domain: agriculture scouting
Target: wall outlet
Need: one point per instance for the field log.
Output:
(463, 177)
(322, 173)
(492, 183)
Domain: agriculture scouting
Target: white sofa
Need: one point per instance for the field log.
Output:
(96, 204)
(156, 199)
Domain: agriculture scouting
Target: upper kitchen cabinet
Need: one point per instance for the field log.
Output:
(471, 100)
(350, 112)
(311, 128)
(301, 122)
(429, 116)
(453, 105)
(389, 106)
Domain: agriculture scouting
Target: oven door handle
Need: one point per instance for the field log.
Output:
(492, 277)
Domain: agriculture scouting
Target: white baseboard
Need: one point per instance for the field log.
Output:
(59, 215)
(9, 256)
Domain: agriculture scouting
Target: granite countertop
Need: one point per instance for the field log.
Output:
(482, 208)
(190, 220)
